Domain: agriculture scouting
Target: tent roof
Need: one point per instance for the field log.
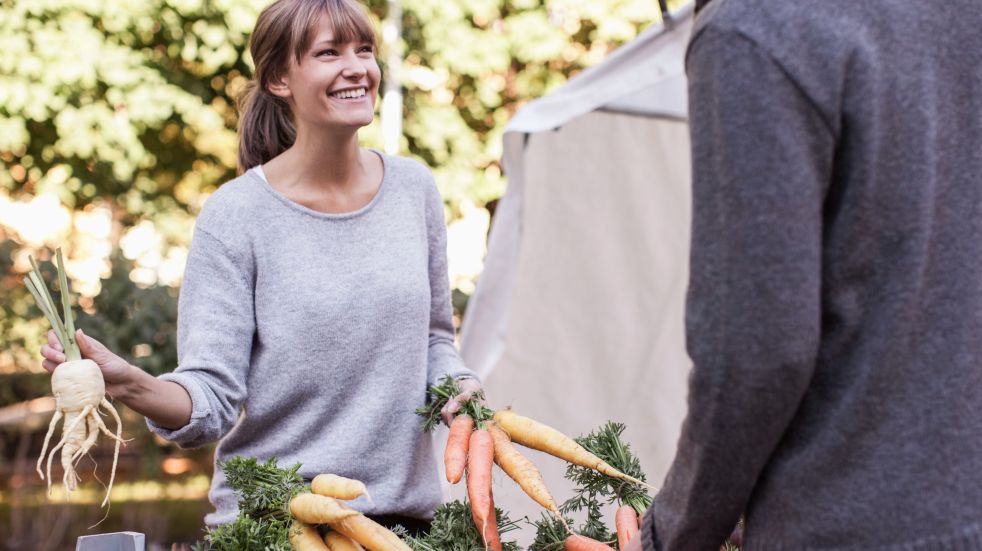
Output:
(645, 77)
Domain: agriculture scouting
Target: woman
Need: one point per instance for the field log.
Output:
(315, 307)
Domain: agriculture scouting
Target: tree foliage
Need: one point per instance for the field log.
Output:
(129, 105)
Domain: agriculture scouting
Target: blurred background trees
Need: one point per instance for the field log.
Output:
(117, 120)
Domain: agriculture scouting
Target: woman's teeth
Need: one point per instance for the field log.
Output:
(348, 94)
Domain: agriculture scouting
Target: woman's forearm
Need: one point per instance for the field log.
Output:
(166, 403)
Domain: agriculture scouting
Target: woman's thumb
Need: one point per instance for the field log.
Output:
(85, 345)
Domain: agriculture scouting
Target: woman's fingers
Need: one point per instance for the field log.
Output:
(115, 370)
(93, 349)
(468, 388)
(53, 341)
(450, 410)
(52, 355)
(49, 365)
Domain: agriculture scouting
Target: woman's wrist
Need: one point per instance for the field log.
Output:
(131, 385)
(166, 403)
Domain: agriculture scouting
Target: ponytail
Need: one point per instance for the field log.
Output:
(265, 126)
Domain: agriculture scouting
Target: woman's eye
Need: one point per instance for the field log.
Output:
(327, 52)
(367, 49)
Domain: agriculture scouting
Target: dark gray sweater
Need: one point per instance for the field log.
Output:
(835, 305)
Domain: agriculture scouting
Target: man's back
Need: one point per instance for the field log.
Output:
(836, 290)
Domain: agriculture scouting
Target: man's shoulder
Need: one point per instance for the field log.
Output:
(809, 27)
(779, 25)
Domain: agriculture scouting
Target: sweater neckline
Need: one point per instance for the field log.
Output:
(386, 170)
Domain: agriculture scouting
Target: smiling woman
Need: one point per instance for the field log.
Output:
(330, 32)
(315, 307)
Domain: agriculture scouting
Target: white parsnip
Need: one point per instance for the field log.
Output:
(78, 388)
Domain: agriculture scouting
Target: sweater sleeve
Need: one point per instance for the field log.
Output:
(762, 158)
(216, 325)
(443, 358)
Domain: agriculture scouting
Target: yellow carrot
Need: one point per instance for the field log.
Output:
(304, 537)
(338, 487)
(521, 470)
(318, 509)
(370, 534)
(538, 436)
(336, 541)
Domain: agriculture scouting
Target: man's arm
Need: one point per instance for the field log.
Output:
(762, 157)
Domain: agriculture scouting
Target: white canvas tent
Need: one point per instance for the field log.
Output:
(578, 315)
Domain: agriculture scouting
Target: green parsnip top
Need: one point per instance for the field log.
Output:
(64, 328)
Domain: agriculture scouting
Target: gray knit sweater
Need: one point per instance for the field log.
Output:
(835, 305)
(312, 337)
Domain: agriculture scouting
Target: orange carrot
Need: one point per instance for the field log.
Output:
(583, 543)
(455, 456)
(538, 436)
(480, 457)
(626, 522)
(521, 470)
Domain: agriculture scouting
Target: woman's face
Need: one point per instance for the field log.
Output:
(334, 85)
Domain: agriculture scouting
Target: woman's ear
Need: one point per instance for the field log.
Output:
(280, 87)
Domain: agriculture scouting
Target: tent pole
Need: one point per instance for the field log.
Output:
(666, 16)
(391, 111)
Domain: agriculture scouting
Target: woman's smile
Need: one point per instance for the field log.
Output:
(354, 93)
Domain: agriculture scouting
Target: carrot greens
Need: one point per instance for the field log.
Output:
(454, 530)
(437, 397)
(607, 444)
(264, 520)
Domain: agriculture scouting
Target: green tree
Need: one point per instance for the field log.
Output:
(129, 106)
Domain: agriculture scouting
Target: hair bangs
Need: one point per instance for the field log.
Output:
(349, 23)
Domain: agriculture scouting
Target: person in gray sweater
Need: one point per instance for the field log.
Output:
(834, 315)
(315, 307)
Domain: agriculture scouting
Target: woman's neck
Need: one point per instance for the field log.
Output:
(322, 161)
(328, 174)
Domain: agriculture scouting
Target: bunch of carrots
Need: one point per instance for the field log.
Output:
(480, 437)
(278, 511)
(593, 489)
(348, 529)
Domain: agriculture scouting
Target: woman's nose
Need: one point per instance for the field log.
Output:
(353, 66)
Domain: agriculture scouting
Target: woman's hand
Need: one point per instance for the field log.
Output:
(468, 388)
(164, 402)
(116, 371)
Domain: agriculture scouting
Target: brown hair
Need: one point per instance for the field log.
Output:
(287, 27)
